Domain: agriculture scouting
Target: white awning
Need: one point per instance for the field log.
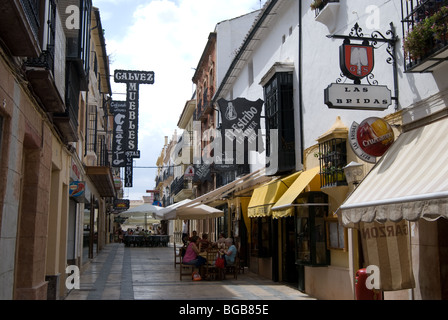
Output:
(409, 182)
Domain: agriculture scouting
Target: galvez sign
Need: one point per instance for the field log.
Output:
(125, 143)
(357, 96)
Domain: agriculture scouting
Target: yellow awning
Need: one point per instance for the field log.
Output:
(283, 207)
(267, 195)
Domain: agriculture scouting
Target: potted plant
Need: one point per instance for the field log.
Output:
(439, 24)
(418, 41)
(317, 4)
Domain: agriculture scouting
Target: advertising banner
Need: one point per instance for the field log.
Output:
(387, 246)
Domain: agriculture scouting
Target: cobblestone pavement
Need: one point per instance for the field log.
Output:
(128, 273)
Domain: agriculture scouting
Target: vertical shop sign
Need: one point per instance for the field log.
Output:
(119, 111)
(126, 120)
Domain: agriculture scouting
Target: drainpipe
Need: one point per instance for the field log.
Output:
(300, 84)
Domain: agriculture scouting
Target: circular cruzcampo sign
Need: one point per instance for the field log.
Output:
(371, 139)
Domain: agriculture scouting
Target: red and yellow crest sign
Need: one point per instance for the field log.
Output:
(357, 61)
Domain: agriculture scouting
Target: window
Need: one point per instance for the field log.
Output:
(92, 129)
(279, 104)
(333, 159)
(335, 235)
(251, 72)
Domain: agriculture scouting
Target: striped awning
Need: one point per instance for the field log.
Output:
(410, 181)
(283, 206)
(265, 197)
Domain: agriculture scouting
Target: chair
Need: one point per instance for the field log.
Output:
(210, 268)
(190, 268)
(177, 255)
(234, 268)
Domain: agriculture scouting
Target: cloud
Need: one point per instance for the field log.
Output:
(167, 37)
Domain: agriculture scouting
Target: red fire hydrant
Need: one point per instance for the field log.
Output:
(361, 290)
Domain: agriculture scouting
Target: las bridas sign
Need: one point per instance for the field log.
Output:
(357, 96)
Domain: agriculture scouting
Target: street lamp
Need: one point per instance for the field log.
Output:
(354, 172)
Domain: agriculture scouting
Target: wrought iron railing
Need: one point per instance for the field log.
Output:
(333, 158)
(46, 59)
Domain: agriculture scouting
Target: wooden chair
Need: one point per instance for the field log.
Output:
(210, 270)
(234, 268)
(177, 255)
(189, 267)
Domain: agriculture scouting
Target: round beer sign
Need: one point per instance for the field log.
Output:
(375, 136)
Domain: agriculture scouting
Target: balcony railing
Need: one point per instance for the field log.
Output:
(425, 29)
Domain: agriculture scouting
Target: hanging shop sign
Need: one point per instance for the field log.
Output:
(371, 139)
(241, 125)
(139, 77)
(120, 138)
(189, 173)
(79, 192)
(202, 173)
(121, 204)
(357, 62)
(358, 97)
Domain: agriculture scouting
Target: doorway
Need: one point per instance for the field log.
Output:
(289, 268)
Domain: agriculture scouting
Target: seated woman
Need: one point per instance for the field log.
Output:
(230, 253)
(191, 256)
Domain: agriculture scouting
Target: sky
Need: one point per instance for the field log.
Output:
(167, 37)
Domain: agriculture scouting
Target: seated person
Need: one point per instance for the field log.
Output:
(230, 253)
(221, 241)
(204, 243)
(195, 234)
(191, 255)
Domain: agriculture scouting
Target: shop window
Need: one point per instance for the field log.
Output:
(336, 235)
(261, 237)
(311, 232)
(333, 159)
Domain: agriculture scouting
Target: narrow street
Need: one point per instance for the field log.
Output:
(128, 273)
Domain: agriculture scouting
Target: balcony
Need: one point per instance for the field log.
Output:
(43, 73)
(326, 12)
(19, 27)
(425, 40)
(103, 180)
(181, 189)
(205, 106)
(67, 122)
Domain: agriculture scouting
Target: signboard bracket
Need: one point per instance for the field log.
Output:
(375, 38)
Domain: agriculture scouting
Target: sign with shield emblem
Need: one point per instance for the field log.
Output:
(357, 61)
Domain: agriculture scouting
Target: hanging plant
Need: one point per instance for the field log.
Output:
(316, 4)
(419, 40)
(439, 24)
